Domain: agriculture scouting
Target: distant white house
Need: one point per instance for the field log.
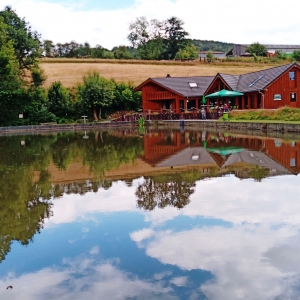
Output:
(216, 54)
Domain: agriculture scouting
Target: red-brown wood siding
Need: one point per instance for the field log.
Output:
(284, 86)
(284, 154)
(154, 97)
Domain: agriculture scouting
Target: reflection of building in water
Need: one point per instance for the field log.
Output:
(190, 149)
(285, 153)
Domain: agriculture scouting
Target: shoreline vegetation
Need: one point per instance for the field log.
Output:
(288, 115)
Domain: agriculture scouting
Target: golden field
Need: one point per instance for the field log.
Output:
(70, 72)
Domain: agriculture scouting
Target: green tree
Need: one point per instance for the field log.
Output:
(125, 98)
(96, 93)
(147, 37)
(48, 48)
(122, 52)
(281, 55)
(257, 49)
(165, 190)
(296, 55)
(188, 52)
(26, 42)
(59, 100)
(175, 37)
(210, 57)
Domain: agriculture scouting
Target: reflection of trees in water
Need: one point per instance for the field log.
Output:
(259, 173)
(80, 187)
(166, 190)
(24, 205)
(23, 209)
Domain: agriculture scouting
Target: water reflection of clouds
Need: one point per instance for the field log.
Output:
(243, 259)
(256, 258)
(84, 278)
(230, 199)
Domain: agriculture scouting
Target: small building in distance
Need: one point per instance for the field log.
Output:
(268, 89)
(216, 54)
(240, 49)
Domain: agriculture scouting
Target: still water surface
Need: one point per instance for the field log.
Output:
(164, 215)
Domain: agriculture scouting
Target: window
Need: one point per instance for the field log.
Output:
(277, 97)
(293, 162)
(292, 75)
(293, 97)
(193, 84)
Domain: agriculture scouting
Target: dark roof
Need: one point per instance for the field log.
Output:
(231, 80)
(261, 79)
(274, 47)
(216, 52)
(250, 82)
(180, 85)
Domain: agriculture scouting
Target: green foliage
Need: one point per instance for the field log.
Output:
(175, 37)
(26, 42)
(59, 101)
(281, 55)
(11, 104)
(96, 92)
(296, 55)
(188, 52)
(9, 67)
(210, 57)
(38, 76)
(157, 39)
(36, 109)
(122, 52)
(257, 49)
(166, 190)
(283, 114)
(205, 45)
(108, 55)
(125, 98)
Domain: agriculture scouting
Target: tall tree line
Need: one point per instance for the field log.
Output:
(23, 98)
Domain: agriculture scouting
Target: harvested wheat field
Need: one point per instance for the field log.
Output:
(70, 74)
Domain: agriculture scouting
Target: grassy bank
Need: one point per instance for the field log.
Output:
(282, 115)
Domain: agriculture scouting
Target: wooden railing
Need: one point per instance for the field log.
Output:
(160, 95)
(169, 115)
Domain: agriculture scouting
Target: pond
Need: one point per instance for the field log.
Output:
(164, 214)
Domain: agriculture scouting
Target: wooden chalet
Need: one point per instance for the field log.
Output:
(268, 89)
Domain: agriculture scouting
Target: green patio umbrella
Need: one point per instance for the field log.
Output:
(224, 93)
(224, 151)
(203, 101)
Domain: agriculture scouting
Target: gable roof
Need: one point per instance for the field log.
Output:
(259, 80)
(249, 82)
(231, 80)
(181, 85)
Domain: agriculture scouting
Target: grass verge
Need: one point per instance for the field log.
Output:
(281, 115)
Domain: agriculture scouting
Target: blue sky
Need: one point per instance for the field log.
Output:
(106, 22)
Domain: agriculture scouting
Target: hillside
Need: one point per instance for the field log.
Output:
(204, 45)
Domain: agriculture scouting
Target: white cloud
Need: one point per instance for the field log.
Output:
(97, 280)
(264, 21)
(70, 208)
(243, 259)
(179, 281)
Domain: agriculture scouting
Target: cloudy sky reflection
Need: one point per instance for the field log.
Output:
(236, 239)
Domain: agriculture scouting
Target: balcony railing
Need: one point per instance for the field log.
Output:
(169, 115)
(160, 95)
